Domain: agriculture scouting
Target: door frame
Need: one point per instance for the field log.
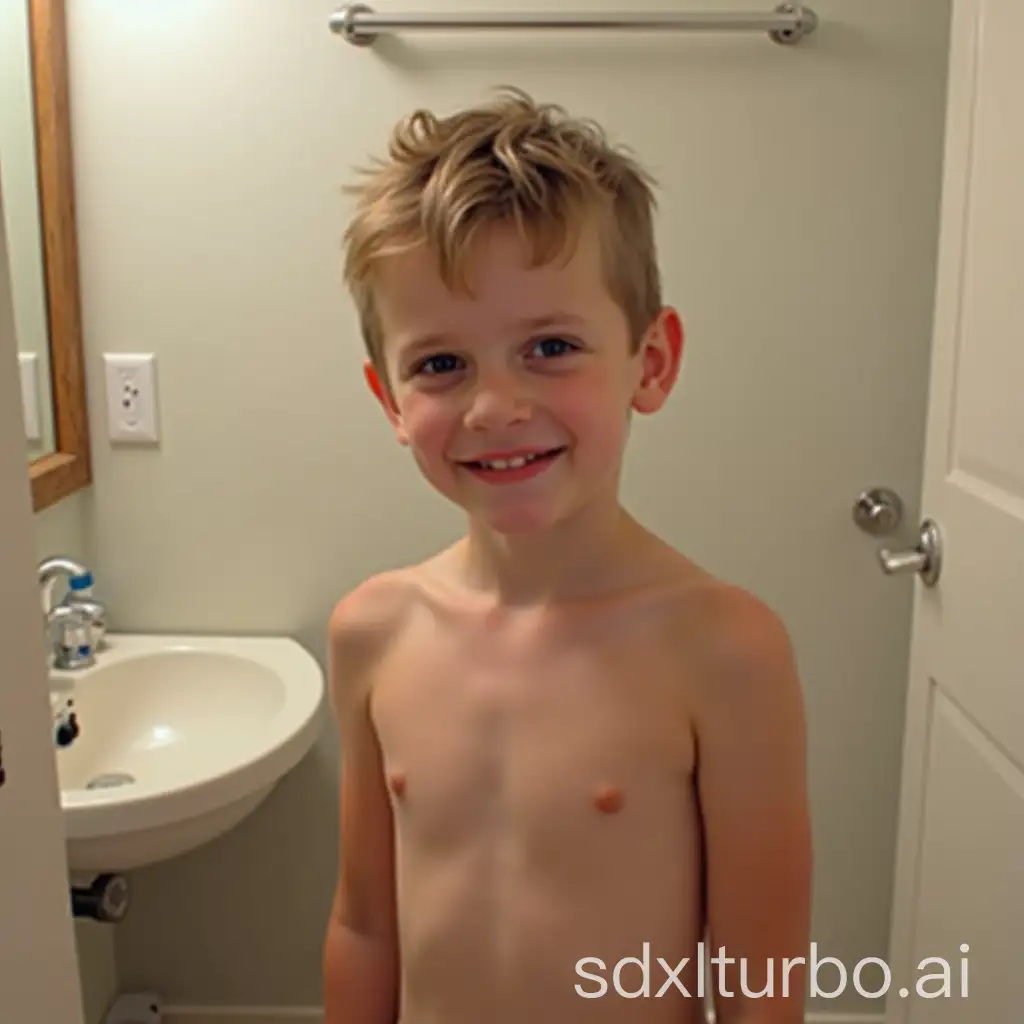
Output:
(36, 926)
(961, 91)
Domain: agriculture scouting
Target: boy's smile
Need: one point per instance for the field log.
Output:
(514, 396)
(508, 467)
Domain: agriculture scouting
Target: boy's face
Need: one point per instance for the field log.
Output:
(535, 364)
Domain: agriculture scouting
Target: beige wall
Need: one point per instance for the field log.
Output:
(798, 232)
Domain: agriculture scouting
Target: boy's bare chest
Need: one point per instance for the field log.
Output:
(528, 736)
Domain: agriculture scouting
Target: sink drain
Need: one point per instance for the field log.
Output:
(110, 779)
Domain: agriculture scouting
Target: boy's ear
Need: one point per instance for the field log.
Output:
(383, 393)
(660, 357)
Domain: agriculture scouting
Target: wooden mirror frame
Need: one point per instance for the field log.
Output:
(69, 467)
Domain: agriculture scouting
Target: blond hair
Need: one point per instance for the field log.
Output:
(515, 161)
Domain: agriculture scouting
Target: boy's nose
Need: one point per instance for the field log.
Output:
(496, 404)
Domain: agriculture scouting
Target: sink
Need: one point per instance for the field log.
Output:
(181, 738)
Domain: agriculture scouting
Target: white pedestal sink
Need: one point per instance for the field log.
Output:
(181, 738)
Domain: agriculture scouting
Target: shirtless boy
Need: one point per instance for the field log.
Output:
(562, 741)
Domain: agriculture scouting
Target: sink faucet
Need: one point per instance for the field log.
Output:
(48, 571)
(76, 624)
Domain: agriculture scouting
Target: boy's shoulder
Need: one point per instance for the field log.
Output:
(746, 691)
(732, 622)
(738, 640)
(692, 596)
(368, 617)
(362, 627)
(373, 608)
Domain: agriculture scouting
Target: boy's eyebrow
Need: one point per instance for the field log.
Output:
(553, 319)
(417, 343)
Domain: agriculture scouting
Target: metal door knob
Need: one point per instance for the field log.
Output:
(925, 559)
(878, 511)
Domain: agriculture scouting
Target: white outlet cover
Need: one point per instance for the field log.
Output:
(28, 363)
(131, 397)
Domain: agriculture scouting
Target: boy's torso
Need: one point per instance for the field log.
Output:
(541, 777)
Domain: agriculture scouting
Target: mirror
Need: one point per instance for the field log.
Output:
(39, 297)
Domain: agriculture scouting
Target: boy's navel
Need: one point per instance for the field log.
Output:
(609, 799)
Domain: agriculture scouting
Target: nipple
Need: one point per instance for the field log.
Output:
(609, 799)
(396, 783)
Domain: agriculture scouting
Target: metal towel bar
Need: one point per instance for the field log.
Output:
(360, 25)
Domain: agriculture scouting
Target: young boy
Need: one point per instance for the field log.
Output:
(564, 745)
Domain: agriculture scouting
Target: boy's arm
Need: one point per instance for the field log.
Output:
(751, 777)
(360, 958)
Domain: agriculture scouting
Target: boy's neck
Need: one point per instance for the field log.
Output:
(589, 553)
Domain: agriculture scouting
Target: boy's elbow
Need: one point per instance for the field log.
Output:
(360, 953)
(360, 973)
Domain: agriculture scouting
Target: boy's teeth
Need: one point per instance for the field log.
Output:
(514, 463)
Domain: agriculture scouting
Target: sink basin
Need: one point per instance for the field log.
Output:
(180, 739)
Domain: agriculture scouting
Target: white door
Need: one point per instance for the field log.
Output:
(39, 981)
(959, 889)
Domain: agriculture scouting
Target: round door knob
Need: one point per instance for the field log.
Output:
(878, 511)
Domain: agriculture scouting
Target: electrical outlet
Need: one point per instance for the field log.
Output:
(131, 397)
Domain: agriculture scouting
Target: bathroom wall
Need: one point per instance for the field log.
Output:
(797, 232)
(97, 968)
(63, 528)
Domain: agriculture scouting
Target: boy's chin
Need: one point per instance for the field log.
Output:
(513, 523)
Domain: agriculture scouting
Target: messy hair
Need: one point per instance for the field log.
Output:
(511, 161)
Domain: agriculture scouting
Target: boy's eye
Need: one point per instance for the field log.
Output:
(553, 347)
(434, 365)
